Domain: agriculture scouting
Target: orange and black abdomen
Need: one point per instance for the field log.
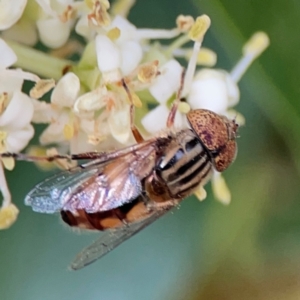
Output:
(111, 219)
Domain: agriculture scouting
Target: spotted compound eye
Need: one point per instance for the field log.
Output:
(217, 135)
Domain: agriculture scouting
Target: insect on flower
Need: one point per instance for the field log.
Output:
(123, 191)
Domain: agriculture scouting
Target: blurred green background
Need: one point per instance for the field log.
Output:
(248, 250)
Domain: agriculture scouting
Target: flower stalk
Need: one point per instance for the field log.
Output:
(39, 62)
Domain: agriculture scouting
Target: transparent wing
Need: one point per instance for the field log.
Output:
(109, 241)
(47, 196)
(100, 185)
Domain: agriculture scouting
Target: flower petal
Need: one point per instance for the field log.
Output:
(168, 82)
(156, 119)
(212, 90)
(46, 7)
(91, 101)
(8, 216)
(82, 28)
(43, 112)
(131, 53)
(10, 12)
(19, 73)
(54, 133)
(8, 56)
(4, 188)
(119, 124)
(66, 91)
(51, 136)
(53, 33)
(127, 30)
(79, 144)
(200, 193)
(220, 188)
(108, 54)
(9, 84)
(19, 139)
(18, 113)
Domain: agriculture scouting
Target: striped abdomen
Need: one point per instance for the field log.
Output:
(184, 165)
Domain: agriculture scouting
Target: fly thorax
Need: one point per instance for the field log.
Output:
(184, 165)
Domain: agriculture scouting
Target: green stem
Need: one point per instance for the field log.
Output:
(38, 62)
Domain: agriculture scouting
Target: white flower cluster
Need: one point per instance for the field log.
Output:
(119, 66)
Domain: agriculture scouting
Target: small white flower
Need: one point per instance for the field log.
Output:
(118, 57)
(72, 119)
(114, 119)
(93, 18)
(59, 113)
(121, 55)
(55, 22)
(163, 87)
(217, 90)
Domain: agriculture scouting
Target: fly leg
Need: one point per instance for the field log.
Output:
(136, 133)
(94, 157)
(99, 156)
(174, 108)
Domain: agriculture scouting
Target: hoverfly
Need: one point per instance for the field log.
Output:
(123, 191)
